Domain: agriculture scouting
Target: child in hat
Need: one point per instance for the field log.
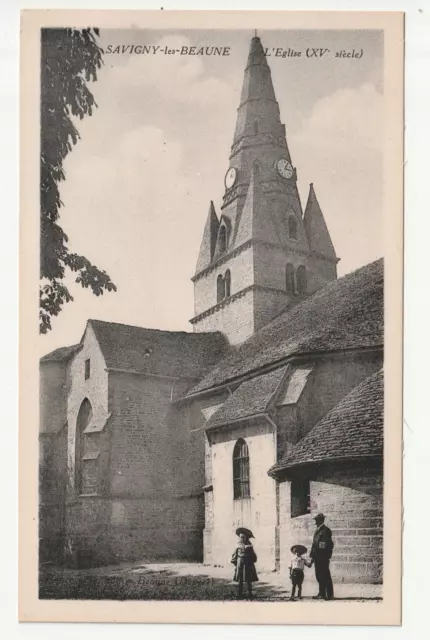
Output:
(297, 566)
(244, 559)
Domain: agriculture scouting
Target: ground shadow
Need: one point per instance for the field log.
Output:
(142, 582)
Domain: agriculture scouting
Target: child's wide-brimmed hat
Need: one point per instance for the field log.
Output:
(247, 532)
(298, 548)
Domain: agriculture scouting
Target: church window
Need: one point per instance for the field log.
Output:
(222, 240)
(300, 497)
(301, 279)
(87, 368)
(256, 126)
(227, 283)
(292, 227)
(219, 288)
(241, 485)
(290, 284)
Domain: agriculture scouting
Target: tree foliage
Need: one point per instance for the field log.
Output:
(70, 59)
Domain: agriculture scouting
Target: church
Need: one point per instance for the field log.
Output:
(156, 445)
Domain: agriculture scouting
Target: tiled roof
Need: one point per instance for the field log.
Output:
(354, 428)
(345, 314)
(170, 353)
(250, 399)
(60, 355)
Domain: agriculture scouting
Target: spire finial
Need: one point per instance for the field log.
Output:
(255, 33)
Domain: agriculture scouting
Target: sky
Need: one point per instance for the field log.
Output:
(155, 151)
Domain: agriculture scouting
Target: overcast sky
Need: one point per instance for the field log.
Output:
(155, 152)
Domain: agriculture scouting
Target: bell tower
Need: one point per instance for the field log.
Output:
(261, 253)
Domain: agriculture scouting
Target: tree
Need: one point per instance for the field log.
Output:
(70, 59)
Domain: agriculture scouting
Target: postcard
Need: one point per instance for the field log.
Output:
(211, 317)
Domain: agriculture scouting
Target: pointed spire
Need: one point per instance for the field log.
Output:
(210, 233)
(316, 229)
(258, 110)
(256, 222)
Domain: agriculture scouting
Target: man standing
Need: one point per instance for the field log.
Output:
(321, 552)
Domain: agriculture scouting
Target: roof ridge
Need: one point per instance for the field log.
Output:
(155, 330)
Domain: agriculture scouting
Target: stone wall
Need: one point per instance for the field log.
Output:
(53, 390)
(205, 287)
(257, 512)
(150, 504)
(234, 318)
(94, 389)
(52, 495)
(351, 497)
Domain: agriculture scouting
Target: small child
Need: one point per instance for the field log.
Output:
(244, 559)
(297, 566)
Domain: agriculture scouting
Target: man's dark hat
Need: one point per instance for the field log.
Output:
(299, 548)
(319, 516)
(246, 532)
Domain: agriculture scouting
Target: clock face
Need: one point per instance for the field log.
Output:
(230, 177)
(284, 167)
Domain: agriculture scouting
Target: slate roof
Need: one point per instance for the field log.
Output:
(170, 353)
(250, 399)
(347, 313)
(354, 428)
(60, 355)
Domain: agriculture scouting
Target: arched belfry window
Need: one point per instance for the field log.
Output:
(82, 422)
(301, 279)
(241, 487)
(289, 283)
(219, 288)
(292, 227)
(222, 239)
(227, 283)
(223, 286)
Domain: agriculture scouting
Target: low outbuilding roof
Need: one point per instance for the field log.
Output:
(250, 399)
(353, 429)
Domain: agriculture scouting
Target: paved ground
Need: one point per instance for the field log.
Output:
(178, 581)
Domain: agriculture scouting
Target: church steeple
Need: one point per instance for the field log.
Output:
(207, 246)
(258, 110)
(257, 258)
(316, 228)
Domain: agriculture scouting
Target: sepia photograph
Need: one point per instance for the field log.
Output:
(212, 345)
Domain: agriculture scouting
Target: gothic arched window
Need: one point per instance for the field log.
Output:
(301, 279)
(241, 486)
(227, 283)
(292, 227)
(222, 239)
(219, 288)
(82, 422)
(255, 126)
(289, 283)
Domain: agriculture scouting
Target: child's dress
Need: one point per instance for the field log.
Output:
(244, 558)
